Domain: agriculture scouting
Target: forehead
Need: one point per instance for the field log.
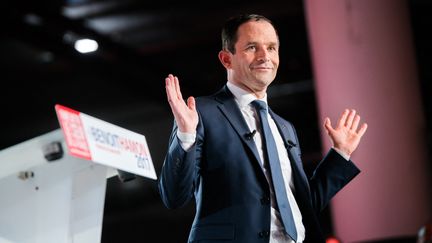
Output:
(257, 31)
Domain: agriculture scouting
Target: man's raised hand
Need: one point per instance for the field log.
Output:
(185, 115)
(346, 136)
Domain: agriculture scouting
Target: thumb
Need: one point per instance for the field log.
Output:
(191, 103)
(327, 125)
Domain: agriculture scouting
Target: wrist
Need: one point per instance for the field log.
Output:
(343, 153)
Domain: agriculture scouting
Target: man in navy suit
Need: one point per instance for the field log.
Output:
(217, 151)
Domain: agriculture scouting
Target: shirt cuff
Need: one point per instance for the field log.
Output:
(187, 140)
(344, 155)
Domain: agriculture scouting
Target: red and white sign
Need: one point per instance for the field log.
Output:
(102, 142)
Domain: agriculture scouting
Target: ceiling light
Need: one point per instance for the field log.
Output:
(86, 45)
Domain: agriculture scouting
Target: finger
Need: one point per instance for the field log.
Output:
(350, 118)
(363, 129)
(171, 86)
(177, 87)
(191, 103)
(355, 123)
(170, 79)
(343, 118)
(170, 89)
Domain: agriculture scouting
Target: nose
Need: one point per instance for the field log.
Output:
(263, 55)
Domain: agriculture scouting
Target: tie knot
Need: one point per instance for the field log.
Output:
(259, 105)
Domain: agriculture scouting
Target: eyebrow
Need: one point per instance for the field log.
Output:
(255, 43)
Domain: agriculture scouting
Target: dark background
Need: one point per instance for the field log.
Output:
(140, 42)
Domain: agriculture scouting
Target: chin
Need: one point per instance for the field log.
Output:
(266, 80)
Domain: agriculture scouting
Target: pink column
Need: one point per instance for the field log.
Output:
(363, 58)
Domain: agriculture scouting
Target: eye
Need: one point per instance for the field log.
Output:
(272, 48)
(251, 48)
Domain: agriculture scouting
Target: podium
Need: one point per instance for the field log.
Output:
(56, 201)
(52, 187)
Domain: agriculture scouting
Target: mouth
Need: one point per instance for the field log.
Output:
(258, 68)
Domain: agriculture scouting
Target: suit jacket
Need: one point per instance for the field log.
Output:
(223, 174)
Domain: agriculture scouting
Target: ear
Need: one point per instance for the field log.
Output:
(225, 58)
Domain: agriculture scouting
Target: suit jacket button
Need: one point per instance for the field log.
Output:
(261, 234)
(265, 200)
(264, 233)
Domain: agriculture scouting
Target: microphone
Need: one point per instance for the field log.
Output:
(291, 144)
(250, 135)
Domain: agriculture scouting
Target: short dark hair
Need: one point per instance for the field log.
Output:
(229, 30)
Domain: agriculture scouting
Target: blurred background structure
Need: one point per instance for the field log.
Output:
(122, 82)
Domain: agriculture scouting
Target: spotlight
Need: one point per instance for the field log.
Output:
(86, 45)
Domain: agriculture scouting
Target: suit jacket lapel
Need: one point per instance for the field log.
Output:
(296, 162)
(231, 111)
(285, 133)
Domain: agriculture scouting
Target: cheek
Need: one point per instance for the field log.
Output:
(275, 64)
(243, 65)
(275, 60)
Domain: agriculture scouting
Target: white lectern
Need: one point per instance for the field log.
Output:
(45, 201)
(49, 196)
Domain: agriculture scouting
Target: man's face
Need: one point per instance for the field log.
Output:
(255, 63)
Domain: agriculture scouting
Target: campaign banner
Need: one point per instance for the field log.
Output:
(93, 139)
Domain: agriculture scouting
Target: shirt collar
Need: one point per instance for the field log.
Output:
(243, 97)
